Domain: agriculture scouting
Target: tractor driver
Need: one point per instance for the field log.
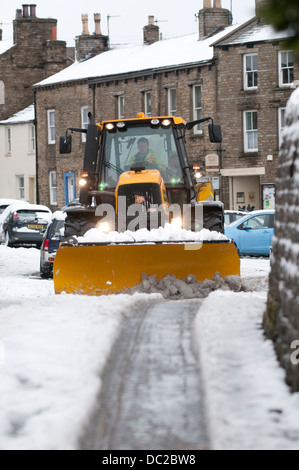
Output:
(146, 155)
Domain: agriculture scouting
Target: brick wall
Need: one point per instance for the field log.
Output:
(34, 56)
(233, 100)
(281, 320)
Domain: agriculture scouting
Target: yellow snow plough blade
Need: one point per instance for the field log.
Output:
(103, 269)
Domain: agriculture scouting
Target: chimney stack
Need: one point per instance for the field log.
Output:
(89, 45)
(151, 32)
(258, 4)
(212, 19)
(85, 31)
(97, 20)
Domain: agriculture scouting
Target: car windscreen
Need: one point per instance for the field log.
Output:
(25, 216)
(57, 229)
(2, 208)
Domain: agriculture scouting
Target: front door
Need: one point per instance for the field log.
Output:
(69, 187)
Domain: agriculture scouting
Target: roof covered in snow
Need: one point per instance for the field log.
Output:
(251, 32)
(26, 115)
(164, 54)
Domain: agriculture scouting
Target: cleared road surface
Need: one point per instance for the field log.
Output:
(151, 397)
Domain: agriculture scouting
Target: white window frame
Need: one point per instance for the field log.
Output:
(252, 71)
(84, 121)
(248, 132)
(147, 103)
(53, 188)
(2, 92)
(197, 110)
(21, 187)
(281, 124)
(282, 69)
(32, 138)
(8, 140)
(121, 106)
(51, 127)
(172, 104)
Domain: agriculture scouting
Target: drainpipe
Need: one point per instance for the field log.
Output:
(36, 150)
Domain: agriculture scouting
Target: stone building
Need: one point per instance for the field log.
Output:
(17, 156)
(34, 54)
(236, 74)
(281, 320)
(255, 79)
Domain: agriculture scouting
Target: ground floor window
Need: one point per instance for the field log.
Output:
(21, 187)
(53, 188)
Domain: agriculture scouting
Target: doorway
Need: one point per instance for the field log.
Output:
(69, 187)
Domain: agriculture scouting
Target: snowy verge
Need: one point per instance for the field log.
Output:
(55, 350)
(248, 404)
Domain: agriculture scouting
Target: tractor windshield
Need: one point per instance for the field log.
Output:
(153, 148)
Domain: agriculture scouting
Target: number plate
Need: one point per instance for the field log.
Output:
(36, 227)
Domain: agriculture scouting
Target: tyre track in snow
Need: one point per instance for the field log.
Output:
(151, 397)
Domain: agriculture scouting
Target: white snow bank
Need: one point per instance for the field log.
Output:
(248, 404)
(55, 352)
(162, 234)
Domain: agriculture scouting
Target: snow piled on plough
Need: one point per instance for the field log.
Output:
(163, 234)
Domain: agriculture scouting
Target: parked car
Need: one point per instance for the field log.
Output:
(24, 224)
(232, 216)
(4, 203)
(52, 239)
(253, 233)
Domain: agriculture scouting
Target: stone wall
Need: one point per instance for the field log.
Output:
(281, 320)
(36, 55)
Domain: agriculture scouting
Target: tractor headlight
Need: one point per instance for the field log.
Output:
(82, 182)
(104, 227)
(177, 222)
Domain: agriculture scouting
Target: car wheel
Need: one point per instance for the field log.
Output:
(45, 274)
(7, 240)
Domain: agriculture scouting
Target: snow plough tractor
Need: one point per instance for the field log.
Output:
(137, 179)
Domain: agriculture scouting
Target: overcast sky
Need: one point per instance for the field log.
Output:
(128, 17)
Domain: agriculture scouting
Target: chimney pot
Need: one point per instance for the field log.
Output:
(217, 4)
(19, 14)
(97, 20)
(25, 11)
(85, 31)
(151, 20)
(32, 11)
(207, 4)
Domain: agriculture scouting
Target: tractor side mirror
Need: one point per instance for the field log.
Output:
(65, 145)
(215, 133)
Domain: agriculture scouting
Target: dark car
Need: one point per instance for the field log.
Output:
(25, 225)
(52, 239)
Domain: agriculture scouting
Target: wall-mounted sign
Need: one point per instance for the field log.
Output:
(269, 196)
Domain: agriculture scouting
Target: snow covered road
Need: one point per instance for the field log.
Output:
(53, 352)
